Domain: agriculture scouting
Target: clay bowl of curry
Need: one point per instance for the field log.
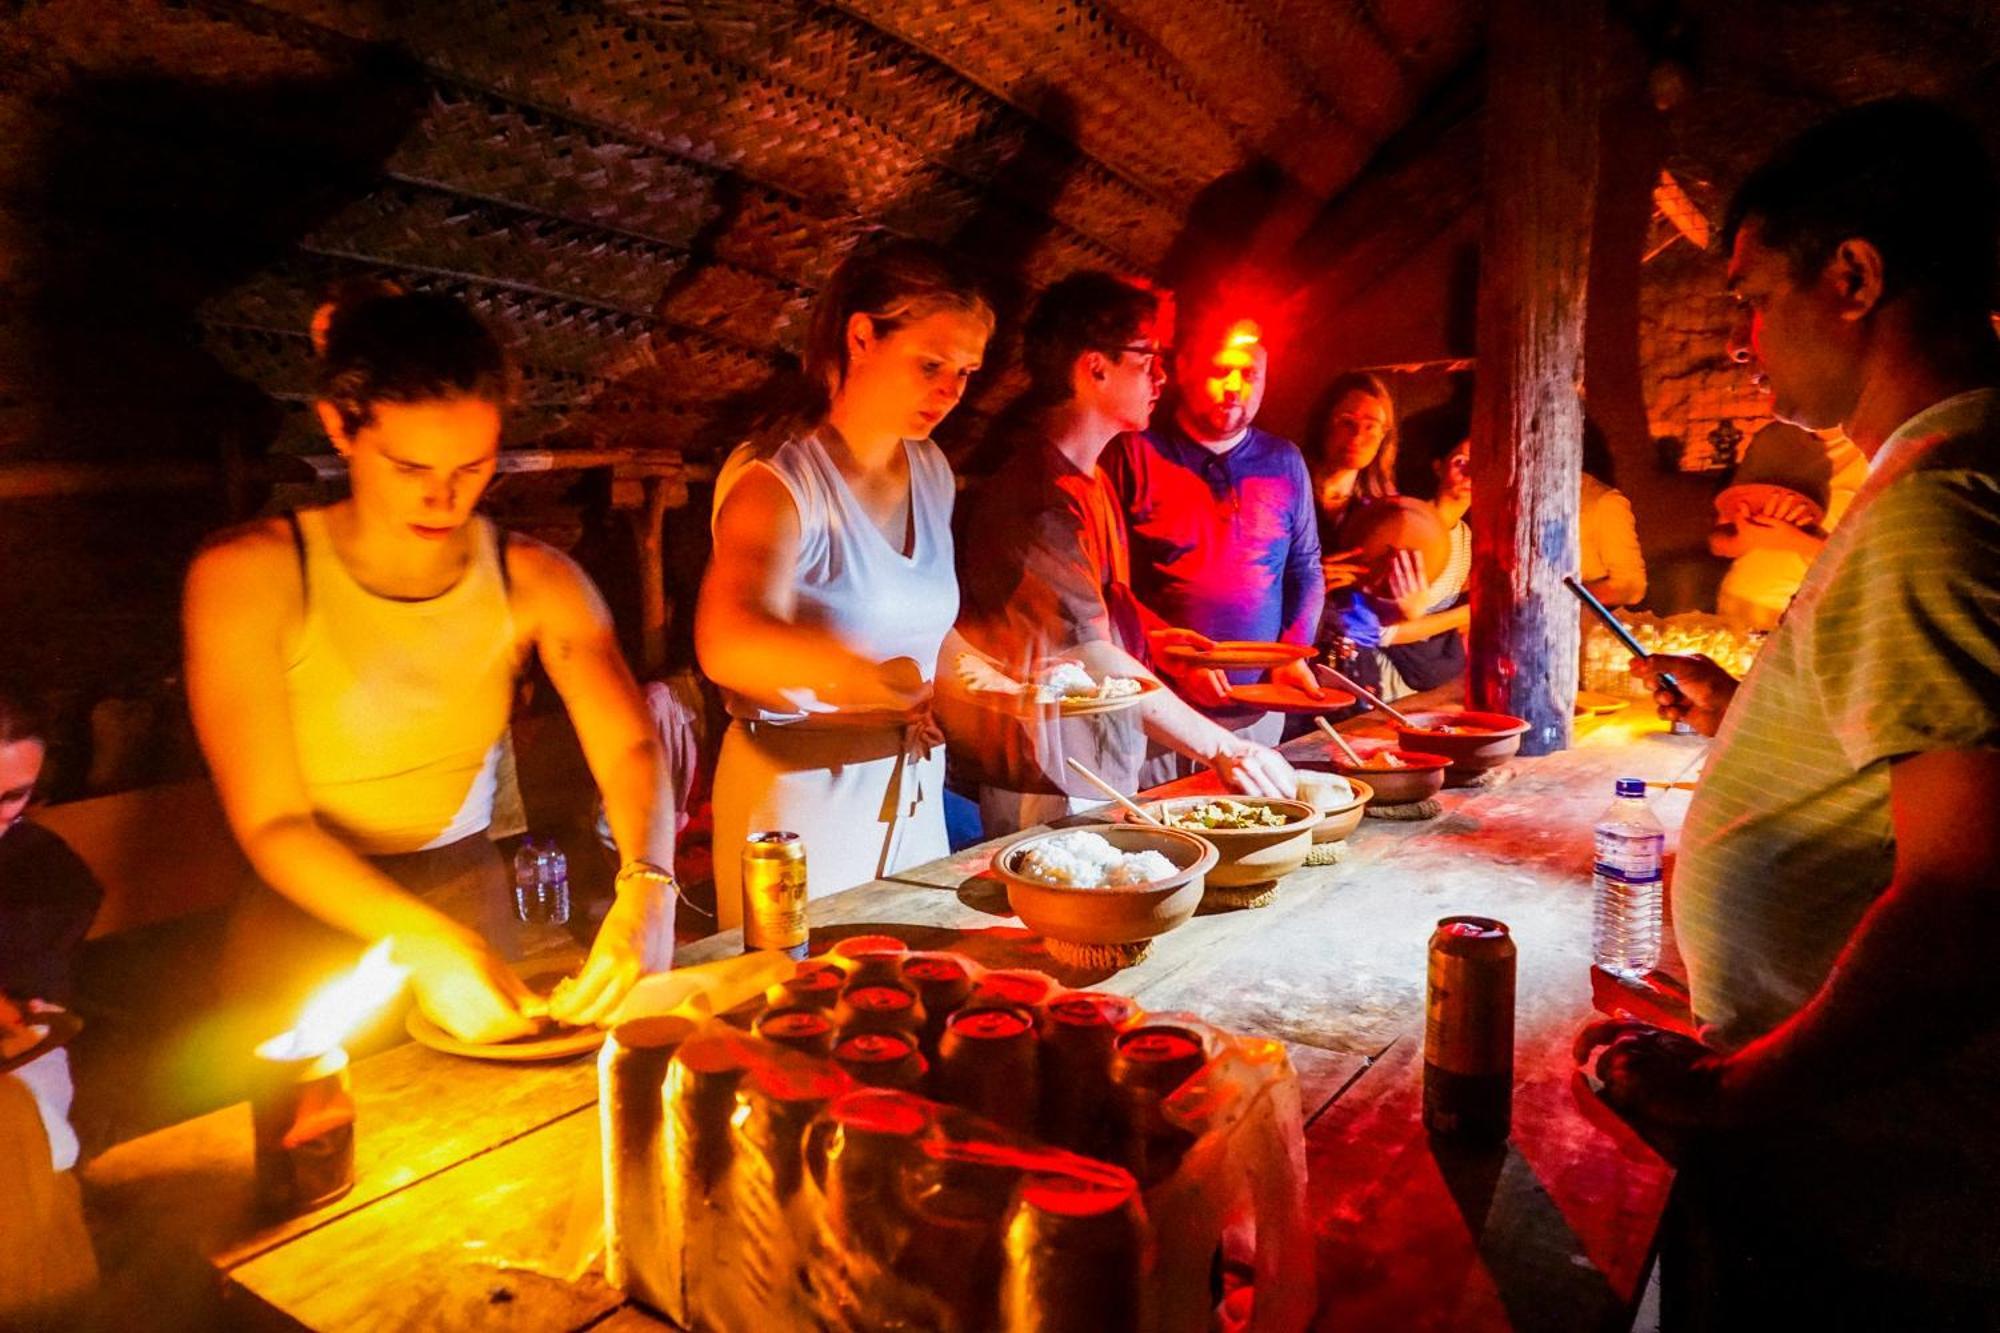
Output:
(1256, 838)
(1396, 776)
(1471, 740)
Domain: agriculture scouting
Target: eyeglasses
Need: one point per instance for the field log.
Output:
(1149, 354)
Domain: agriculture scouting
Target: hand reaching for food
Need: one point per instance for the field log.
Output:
(1255, 770)
(1300, 676)
(465, 989)
(629, 944)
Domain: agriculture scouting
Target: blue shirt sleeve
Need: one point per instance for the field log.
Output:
(1357, 621)
(1305, 582)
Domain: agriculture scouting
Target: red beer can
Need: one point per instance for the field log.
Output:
(770, 1142)
(874, 1139)
(988, 1063)
(943, 984)
(702, 1082)
(870, 960)
(813, 986)
(882, 1059)
(1076, 1059)
(808, 1031)
(1148, 1065)
(1015, 986)
(880, 1008)
(1075, 1252)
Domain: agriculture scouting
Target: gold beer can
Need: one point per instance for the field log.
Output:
(774, 893)
(1469, 1030)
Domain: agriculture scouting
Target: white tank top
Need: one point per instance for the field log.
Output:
(880, 603)
(399, 707)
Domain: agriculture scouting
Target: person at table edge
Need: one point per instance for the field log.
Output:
(350, 669)
(1834, 891)
(831, 592)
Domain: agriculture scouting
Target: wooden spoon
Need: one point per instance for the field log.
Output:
(1339, 742)
(1083, 770)
(1369, 697)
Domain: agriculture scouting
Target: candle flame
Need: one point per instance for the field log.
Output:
(341, 1005)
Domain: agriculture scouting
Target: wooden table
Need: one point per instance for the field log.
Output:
(469, 1173)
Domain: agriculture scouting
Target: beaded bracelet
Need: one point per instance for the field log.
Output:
(648, 871)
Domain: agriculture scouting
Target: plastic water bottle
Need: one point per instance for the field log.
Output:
(1625, 931)
(541, 883)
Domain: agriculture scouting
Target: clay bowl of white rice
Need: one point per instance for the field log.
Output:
(1257, 839)
(1104, 883)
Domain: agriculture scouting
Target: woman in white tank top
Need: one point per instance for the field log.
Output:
(351, 668)
(832, 586)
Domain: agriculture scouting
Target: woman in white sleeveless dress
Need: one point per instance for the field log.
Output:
(350, 670)
(832, 588)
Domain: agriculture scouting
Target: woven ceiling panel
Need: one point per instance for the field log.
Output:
(644, 196)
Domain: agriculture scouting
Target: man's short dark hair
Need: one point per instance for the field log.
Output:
(22, 714)
(1089, 311)
(1904, 174)
(1430, 437)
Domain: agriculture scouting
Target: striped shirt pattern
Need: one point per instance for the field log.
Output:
(1891, 648)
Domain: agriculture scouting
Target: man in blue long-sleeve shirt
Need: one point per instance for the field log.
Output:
(1220, 515)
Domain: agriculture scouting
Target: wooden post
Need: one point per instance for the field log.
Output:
(1542, 80)
(659, 494)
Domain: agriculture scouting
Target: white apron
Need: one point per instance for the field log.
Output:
(867, 801)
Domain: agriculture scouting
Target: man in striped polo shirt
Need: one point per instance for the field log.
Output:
(1835, 892)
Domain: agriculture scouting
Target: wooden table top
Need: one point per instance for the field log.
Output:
(476, 1182)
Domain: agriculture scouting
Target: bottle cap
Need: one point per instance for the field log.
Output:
(1632, 787)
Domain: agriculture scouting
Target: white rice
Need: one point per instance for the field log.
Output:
(1068, 680)
(1140, 868)
(1065, 680)
(1083, 860)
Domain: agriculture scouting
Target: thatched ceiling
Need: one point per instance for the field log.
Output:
(643, 194)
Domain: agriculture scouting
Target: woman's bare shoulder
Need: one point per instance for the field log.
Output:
(260, 555)
(250, 546)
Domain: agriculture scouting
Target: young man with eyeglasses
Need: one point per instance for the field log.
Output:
(1224, 533)
(1044, 574)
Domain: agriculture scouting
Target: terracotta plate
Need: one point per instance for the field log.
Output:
(1290, 699)
(1240, 653)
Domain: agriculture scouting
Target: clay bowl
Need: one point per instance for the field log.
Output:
(1126, 914)
(1492, 739)
(1251, 855)
(1337, 821)
(1420, 779)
